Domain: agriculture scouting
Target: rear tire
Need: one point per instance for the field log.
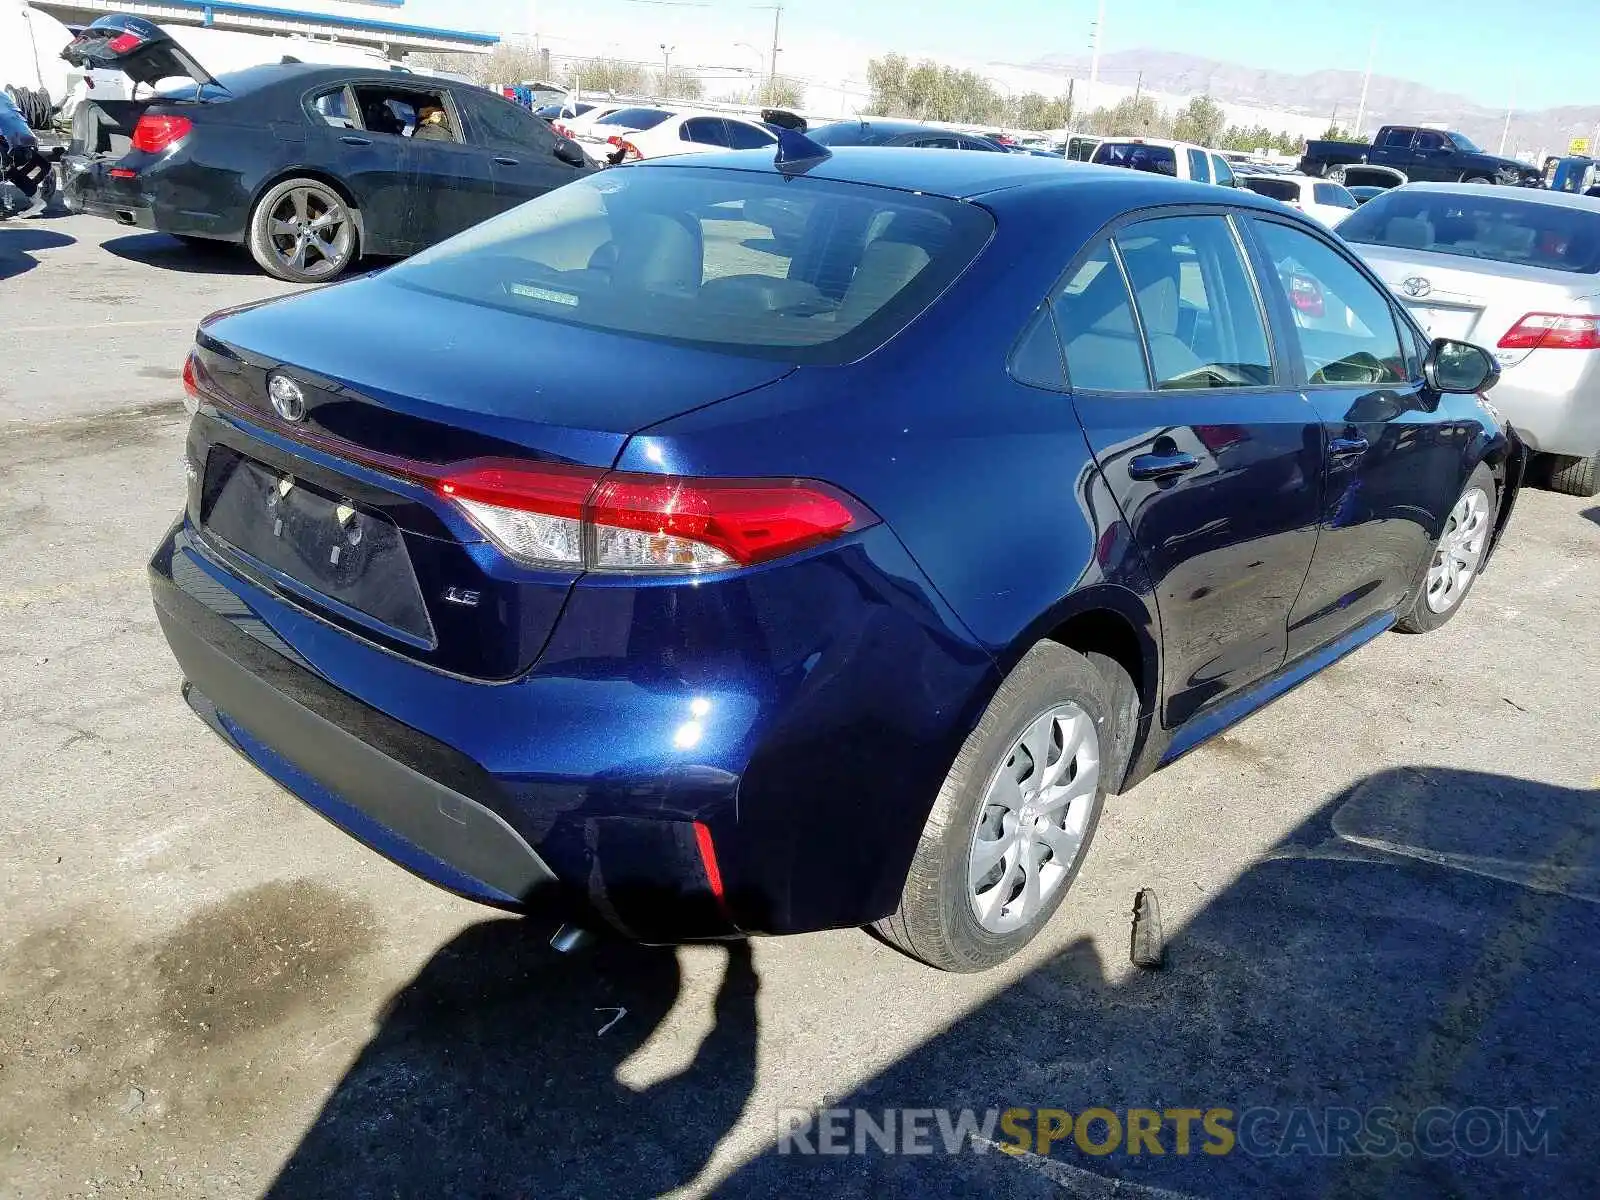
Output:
(1457, 557)
(1575, 476)
(1017, 813)
(1477, 179)
(303, 231)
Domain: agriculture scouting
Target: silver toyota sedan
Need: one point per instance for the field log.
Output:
(1517, 271)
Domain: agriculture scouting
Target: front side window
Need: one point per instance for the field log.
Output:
(1345, 324)
(1333, 196)
(503, 123)
(733, 261)
(1094, 317)
(1222, 172)
(1431, 141)
(1202, 322)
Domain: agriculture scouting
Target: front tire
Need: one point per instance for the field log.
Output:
(303, 231)
(1016, 815)
(1457, 557)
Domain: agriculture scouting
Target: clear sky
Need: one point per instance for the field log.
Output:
(1485, 49)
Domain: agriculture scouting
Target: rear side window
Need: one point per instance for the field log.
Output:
(1334, 196)
(708, 131)
(1198, 170)
(1489, 223)
(1081, 149)
(1345, 325)
(1277, 189)
(800, 270)
(336, 108)
(1094, 315)
(1037, 358)
(638, 119)
(1397, 139)
(1159, 160)
(748, 137)
(1202, 322)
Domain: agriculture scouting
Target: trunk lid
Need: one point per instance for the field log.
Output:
(138, 48)
(1473, 299)
(397, 383)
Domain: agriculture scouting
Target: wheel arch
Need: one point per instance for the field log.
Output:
(1105, 619)
(319, 175)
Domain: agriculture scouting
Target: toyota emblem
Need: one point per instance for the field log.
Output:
(287, 398)
(1416, 287)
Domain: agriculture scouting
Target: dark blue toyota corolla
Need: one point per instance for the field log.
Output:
(733, 546)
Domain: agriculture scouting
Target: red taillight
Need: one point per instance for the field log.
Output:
(1552, 331)
(153, 133)
(123, 173)
(1306, 297)
(577, 517)
(125, 43)
(630, 152)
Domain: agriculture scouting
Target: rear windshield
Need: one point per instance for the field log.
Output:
(801, 270)
(844, 133)
(1488, 224)
(1279, 189)
(635, 118)
(1158, 159)
(1333, 196)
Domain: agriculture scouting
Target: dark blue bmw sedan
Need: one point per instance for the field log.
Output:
(729, 546)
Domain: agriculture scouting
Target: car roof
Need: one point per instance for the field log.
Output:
(311, 74)
(968, 175)
(895, 127)
(1528, 195)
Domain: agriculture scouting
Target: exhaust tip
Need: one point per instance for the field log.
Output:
(124, 217)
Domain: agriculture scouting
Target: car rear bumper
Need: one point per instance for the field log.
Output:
(148, 201)
(697, 800)
(1553, 399)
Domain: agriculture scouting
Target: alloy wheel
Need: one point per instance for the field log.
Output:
(1460, 551)
(1034, 819)
(311, 232)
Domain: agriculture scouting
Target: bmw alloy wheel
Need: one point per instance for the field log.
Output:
(1459, 553)
(311, 232)
(1034, 819)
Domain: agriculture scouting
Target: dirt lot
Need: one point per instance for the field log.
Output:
(1381, 893)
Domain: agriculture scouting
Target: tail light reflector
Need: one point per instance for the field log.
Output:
(630, 152)
(125, 43)
(155, 133)
(1306, 297)
(575, 517)
(1551, 331)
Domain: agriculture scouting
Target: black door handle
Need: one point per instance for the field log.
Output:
(1161, 466)
(506, 161)
(351, 139)
(1348, 447)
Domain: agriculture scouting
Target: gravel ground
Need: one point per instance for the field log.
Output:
(1380, 893)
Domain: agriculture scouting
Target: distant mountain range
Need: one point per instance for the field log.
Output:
(1326, 93)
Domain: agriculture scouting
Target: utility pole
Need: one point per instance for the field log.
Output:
(1366, 82)
(1094, 63)
(1138, 88)
(666, 71)
(1505, 133)
(777, 26)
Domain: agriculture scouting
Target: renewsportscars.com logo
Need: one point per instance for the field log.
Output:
(1098, 1132)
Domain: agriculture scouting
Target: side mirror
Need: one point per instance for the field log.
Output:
(571, 153)
(1460, 368)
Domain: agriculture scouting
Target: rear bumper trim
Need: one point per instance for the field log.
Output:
(298, 735)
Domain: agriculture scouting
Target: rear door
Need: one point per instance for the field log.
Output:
(372, 163)
(702, 131)
(1214, 456)
(522, 148)
(1391, 466)
(1393, 148)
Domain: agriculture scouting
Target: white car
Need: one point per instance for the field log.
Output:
(1178, 160)
(1317, 198)
(693, 133)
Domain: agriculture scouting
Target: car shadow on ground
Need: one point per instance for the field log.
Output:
(1592, 514)
(194, 258)
(1425, 947)
(1422, 953)
(495, 1073)
(19, 243)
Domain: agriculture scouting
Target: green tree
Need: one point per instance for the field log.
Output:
(1200, 121)
(680, 85)
(1335, 134)
(1036, 111)
(781, 92)
(1140, 116)
(931, 91)
(606, 75)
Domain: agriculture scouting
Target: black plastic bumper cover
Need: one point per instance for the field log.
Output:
(413, 786)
